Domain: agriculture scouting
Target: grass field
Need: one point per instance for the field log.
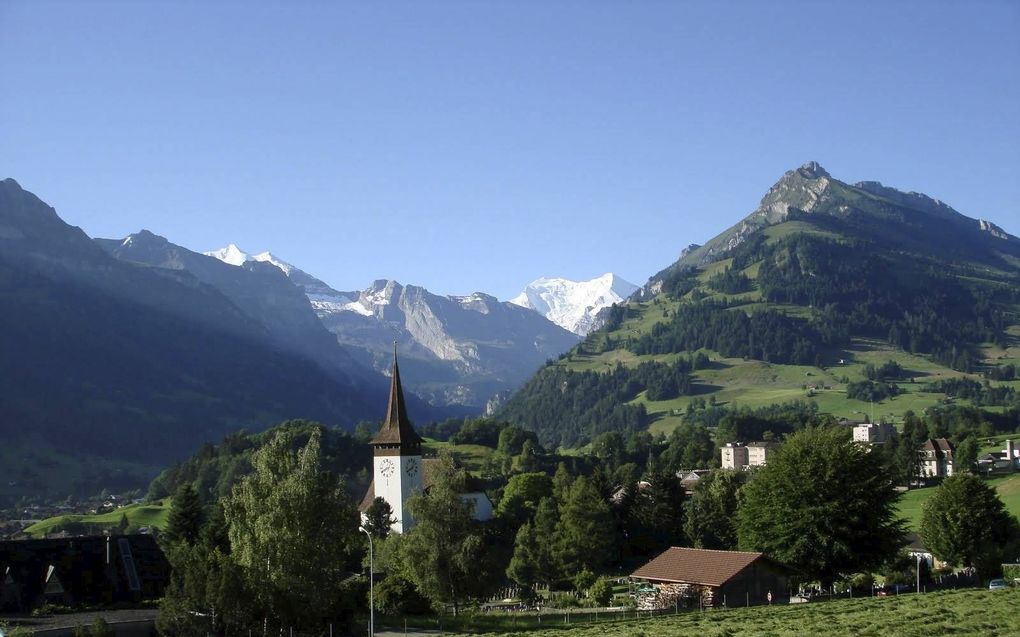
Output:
(471, 457)
(753, 383)
(138, 515)
(963, 613)
(1007, 487)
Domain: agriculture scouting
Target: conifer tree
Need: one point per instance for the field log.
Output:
(444, 553)
(186, 515)
(584, 535)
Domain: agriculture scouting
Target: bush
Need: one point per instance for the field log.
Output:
(601, 592)
(584, 580)
(397, 596)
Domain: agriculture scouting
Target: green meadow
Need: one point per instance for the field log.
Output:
(962, 613)
(152, 515)
(911, 502)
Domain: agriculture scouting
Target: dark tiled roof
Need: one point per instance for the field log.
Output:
(697, 566)
(396, 429)
(940, 446)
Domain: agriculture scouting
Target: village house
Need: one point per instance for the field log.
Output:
(936, 458)
(622, 492)
(917, 550)
(1005, 461)
(737, 455)
(692, 578)
(689, 479)
(92, 570)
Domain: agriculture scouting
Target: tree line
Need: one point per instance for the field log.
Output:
(279, 551)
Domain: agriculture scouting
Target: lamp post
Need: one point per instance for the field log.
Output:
(918, 572)
(371, 584)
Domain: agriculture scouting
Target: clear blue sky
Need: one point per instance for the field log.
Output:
(471, 146)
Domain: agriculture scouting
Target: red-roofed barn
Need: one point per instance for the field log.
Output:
(693, 577)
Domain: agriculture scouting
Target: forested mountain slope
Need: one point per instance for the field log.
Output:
(795, 302)
(105, 363)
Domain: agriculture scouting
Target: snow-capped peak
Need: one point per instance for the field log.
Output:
(236, 256)
(573, 304)
(230, 254)
(268, 257)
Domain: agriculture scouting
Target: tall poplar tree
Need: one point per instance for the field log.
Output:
(293, 532)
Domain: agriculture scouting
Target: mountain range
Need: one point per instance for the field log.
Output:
(822, 284)
(120, 355)
(108, 362)
(457, 351)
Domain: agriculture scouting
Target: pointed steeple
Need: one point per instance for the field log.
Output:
(396, 433)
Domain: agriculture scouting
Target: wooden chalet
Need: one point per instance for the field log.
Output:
(692, 578)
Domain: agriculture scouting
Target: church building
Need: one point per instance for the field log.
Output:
(398, 468)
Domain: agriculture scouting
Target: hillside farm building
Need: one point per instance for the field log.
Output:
(693, 578)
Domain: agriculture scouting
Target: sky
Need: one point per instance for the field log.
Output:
(476, 146)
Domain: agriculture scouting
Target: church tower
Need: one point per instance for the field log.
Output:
(397, 456)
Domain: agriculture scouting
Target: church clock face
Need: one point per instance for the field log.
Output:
(411, 469)
(386, 468)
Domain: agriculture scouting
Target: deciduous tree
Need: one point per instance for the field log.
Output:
(824, 505)
(293, 533)
(964, 523)
(711, 521)
(443, 554)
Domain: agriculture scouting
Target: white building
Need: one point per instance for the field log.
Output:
(734, 455)
(398, 469)
(936, 458)
(874, 433)
(737, 455)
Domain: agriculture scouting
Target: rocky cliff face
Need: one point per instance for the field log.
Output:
(872, 208)
(463, 349)
(457, 351)
(804, 189)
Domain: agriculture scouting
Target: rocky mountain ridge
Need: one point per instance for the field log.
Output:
(457, 351)
(106, 361)
(923, 221)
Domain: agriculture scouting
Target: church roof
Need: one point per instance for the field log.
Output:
(396, 429)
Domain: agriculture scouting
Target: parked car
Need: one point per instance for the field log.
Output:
(997, 585)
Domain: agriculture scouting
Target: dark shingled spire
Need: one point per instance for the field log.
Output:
(396, 435)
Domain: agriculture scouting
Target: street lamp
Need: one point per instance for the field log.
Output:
(918, 572)
(371, 584)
